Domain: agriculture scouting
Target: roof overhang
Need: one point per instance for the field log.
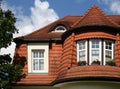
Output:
(22, 39)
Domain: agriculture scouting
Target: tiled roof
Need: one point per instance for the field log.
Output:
(94, 16)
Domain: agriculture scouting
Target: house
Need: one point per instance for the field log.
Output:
(62, 54)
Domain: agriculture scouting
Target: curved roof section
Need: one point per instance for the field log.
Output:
(94, 16)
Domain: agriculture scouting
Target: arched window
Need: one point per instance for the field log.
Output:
(60, 29)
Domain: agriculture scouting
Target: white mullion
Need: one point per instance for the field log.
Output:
(112, 51)
(100, 52)
(38, 60)
(90, 51)
(104, 60)
(77, 51)
(86, 51)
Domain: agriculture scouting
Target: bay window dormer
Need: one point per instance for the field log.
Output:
(90, 50)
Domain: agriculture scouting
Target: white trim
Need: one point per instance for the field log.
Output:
(38, 46)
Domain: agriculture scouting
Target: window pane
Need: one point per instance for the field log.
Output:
(108, 55)
(95, 43)
(35, 54)
(41, 53)
(35, 64)
(108, 45)
(41, 64)
(82, 55)
(82, 45)
(95, 54)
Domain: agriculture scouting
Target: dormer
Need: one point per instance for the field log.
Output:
(59, 28)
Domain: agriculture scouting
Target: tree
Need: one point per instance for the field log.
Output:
(8, 72)
(7, 28)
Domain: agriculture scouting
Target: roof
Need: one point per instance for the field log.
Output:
(94, 16)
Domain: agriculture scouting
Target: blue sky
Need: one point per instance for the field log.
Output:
(35, 14)
(63, 7)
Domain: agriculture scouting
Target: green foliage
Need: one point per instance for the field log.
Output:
(7, 28)
(81, 63)
(8, 72)
(96, 62)
(110, 62)
(12, 72)
(5, 59)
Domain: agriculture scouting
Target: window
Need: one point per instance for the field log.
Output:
(95, 49)
(109, 53)
(60, 29)
(81, 50)
(38, 55)
(38, 60)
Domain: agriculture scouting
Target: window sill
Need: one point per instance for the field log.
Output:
(37, 72)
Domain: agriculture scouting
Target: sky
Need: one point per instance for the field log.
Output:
(34, 14)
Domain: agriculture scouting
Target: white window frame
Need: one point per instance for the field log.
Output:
(38, 58)
(102, 50)
(38, 46)
(104, 61)
(90, 50)
(81, 50)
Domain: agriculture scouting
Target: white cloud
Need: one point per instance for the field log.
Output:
(114, 5)
(41, 15)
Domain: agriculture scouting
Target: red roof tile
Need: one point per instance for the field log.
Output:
(94, 16)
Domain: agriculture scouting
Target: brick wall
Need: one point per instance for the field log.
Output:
(62, 60)
(55, 52)
(93, 70)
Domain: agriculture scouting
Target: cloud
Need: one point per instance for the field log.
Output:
(113, 5)
(41, 15)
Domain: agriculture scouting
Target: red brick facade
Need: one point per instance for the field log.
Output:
(62, 48)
